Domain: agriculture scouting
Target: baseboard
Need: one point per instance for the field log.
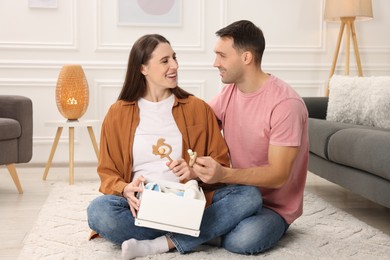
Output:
(57, 164)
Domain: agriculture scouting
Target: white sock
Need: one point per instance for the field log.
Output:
(136, 248)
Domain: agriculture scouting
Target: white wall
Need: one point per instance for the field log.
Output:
(36, 42)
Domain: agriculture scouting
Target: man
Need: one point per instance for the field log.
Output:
(264, 122)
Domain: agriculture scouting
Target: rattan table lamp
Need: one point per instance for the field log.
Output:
(72, 93)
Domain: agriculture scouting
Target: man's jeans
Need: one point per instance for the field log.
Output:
(256, 233)
(110, 217)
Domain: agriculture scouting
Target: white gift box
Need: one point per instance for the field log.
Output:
(165, 210)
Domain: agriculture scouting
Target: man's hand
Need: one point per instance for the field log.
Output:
(129, 193)
(208, 170)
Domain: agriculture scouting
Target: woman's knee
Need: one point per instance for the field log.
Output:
(101, 209)
(98, 205)
(93, 208)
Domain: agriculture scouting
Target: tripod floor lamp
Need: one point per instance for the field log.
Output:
(347, 11)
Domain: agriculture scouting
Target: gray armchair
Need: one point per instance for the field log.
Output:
(16, 131)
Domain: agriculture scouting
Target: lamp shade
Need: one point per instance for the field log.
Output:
(336, 9)
(72, 93)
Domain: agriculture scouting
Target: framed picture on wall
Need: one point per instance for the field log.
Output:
(43, 3)
(150, 13)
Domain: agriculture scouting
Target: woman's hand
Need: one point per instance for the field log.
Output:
(129, 193)
(181, 169)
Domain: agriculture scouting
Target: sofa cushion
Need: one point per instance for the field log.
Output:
(320, 132)
(360, 100)
(362, 148)
(9, 129)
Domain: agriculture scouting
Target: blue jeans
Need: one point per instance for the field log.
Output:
(256, 233)
(110, 217)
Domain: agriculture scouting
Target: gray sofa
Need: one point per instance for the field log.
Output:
(355, 157)
(16, 133)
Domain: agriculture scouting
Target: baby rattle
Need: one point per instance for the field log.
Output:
(162, 149)
(192, 157)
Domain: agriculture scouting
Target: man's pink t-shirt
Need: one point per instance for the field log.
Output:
(276, 115)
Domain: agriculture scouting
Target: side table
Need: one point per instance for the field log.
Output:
(71, 124)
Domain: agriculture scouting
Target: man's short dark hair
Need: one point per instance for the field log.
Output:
(246, 37)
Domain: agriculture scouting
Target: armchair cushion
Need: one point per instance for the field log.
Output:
(16, 130)
(9, 129)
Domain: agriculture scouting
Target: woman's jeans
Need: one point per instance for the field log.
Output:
(111, 218)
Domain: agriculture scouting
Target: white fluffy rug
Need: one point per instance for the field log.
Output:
(323, 232)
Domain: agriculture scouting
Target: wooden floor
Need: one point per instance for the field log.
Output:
(19, 212)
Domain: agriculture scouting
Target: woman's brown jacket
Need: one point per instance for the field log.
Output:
(195, 120)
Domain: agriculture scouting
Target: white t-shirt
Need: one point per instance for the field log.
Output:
(276, 115)
(156, 121)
